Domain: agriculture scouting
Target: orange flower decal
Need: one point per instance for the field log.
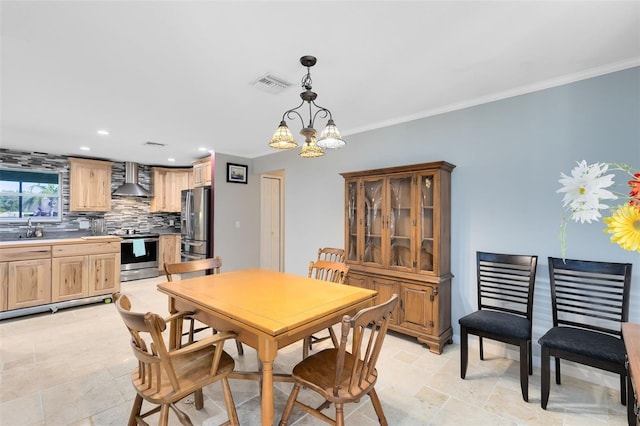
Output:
(635, 190)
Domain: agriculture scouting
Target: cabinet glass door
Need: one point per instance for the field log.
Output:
(426, 234)
(400, 218)
(373, 221)
(352, 221)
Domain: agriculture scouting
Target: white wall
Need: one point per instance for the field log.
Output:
(509, 155)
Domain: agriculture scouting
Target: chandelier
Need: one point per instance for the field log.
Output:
(329, 138)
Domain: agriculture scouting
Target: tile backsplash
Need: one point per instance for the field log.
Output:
(126, 212)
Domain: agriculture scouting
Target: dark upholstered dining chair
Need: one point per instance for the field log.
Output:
(341, 376)
(589, 301)
(505, 305)
(210, 265)
(163, 377)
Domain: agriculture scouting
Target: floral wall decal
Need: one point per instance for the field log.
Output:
(586, 194)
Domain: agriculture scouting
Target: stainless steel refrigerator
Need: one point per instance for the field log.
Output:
(195, 219)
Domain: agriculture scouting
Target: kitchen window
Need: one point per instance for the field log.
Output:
(30, 194)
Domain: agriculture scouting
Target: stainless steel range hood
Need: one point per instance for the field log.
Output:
(131, 188)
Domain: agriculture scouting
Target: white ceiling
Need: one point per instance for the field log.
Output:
(179, 72)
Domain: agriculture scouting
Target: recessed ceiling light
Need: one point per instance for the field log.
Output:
(85, 148)
(103, 132)
(171, 160)
(203, 149)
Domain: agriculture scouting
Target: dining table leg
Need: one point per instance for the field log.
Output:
(267, 351)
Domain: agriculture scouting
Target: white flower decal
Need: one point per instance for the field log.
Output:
(584, 189)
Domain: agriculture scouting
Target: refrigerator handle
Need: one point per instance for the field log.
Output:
(189, 214)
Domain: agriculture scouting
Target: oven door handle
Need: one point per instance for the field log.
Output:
(146, 240)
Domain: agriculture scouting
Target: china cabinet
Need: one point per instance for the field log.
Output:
(398, 240)
(89, 185)
(167, 187)
(202, 172)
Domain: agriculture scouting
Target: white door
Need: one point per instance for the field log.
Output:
(271, 222)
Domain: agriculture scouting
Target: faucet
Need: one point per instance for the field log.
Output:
(29, 228)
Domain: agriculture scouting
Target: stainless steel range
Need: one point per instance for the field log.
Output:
(138, 256)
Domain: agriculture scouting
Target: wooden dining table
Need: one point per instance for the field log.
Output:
(268, 310)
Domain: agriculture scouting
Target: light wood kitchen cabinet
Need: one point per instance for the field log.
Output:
(168, 250)
(167, 187)
(104, 273)
(41, 273)
(89, 185)
(202, 172)
(70, 278)
(84, 270)
(29, 283)
(28, 272)
(4, 285)
(398, 240)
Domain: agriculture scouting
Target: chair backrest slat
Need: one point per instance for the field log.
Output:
(324, 270)
(590, 295)
(331, 254)
(368, 329)
(211, 265)
(506, 282)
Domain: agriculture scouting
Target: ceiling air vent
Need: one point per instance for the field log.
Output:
(156, 144)
(271, 84)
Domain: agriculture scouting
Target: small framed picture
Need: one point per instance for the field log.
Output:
(237, 173)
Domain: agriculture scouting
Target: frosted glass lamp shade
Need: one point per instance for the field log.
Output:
(310, 149)
(330, 137)
(283, 138)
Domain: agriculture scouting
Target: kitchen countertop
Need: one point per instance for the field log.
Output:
(61, 237)
(27, 242)
(165, 231)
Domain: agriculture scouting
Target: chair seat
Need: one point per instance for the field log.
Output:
(589, 343)
(498, 323)
(318, 371)
(192, 372)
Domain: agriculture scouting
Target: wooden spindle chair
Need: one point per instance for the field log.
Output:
(163, 377)
(341, 376)
(335, 272)
(209, 265)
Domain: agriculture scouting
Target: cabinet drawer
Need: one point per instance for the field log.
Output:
(25, 253)
(86, 249)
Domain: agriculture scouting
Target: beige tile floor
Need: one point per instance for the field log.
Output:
(72, 368)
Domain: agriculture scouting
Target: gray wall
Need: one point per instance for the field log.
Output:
(509, 155)
(238, 247)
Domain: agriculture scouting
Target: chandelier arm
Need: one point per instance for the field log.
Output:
(321, 110)
(290, 114)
